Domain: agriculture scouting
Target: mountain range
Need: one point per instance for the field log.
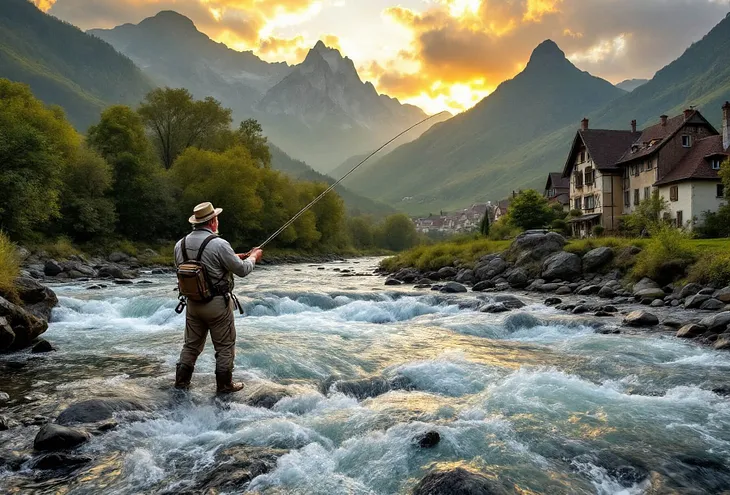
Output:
(631, 84)
(63, 65)
(319, 110)
(523, 130)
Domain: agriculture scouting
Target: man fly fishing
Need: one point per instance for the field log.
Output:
(206, 264)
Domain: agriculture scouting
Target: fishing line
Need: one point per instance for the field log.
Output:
(330, 188)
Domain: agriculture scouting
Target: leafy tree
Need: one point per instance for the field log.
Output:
(398, 233)
(715, 224)
(484, 225)
(176, 121)
(725, 176)
(530, 210)
(86, 211)
(647, 215)
(361, 230)
(142, 193)
(35, 143)
(251, 135)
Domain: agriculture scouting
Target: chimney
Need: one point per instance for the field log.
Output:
(726, 125)
(663, 120)
(688, 113)
(633, 126)
(584, 124)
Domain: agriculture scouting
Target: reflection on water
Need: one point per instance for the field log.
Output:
(535, 400)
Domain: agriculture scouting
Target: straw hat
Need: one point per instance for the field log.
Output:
(203, 213)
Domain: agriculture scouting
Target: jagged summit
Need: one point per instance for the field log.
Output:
(547, 52)
(169, 19)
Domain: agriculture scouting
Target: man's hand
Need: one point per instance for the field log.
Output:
(257, 252)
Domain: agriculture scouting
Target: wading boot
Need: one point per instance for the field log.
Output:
(224, 382)
(183, 375)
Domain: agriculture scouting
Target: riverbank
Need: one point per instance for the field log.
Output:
(545, 263)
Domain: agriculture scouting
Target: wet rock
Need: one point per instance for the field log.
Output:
(58, 461)
(492, 268)
(94, 410)
(457, 481)
(597, 258)
(123, 281)
(689, 290)
(52, 268)
(236, 467)
(723, 295)
(4, 397)
(563, 291)
(724, 391)
(392, 281)
(26, 326)
(42, 346)
(694, 302)
(371, 387)
(4, 423)
(645, 283)
(7, 336)
(94, 287)
(581, 309)
(562, 265)
(553, 301)
(38, 299)
(57, 437)
(722, 343)
(589, 290)
(640, 319)
(465, 276)
(675, 324)
(118, 257)
(422, 286)
(610, 309)
(690, 331)
(565, 307)
(509, 300)
(712, 305)
(447, 272)
(265, 396)
(518, 278)
(116, 272)
(602, 314)
(453, 288)
(482, 286)
(651, 293)
(494, 308)
(707, 292)
(657, 303)
(716, 323)
(407, 275)
(428, 440)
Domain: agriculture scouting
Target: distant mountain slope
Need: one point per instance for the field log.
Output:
(319, 110)
(477, 155)
(63, 65)
(631, 84)
(170, 49)
(355, 203)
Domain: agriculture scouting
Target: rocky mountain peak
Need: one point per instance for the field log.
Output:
(169, 19)
(547, 52)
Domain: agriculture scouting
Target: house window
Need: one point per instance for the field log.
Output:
(627, 198)
(686, 141)
(716, 162)
(680, 219)
(649, 165)
(646, 193)
(578, 177)
(720, 190)
(636, 197)
(588, 174)
(576, 203)
(674, 193)
(589, 202)
(582, 157)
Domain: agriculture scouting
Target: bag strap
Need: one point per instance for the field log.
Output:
(184, 250)
(203, 246)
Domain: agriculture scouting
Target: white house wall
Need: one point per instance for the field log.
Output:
(694, 198)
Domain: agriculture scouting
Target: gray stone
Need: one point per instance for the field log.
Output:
(691, 331)
(689, 290)
(597, 258)
(124, 281)
(723, 295)
(4, 397)
(7, 335)
(657, 303)
(42, 346)
(562, 265)
(57, 437)
(563, 291)
(673, 324)
(707, 292)
(494, 308)
(389, 281)
(428, 440)
(509, 300)
(606, 292)
(645, 283)
(722, 343)
(52, 268)
(589, 290)
(548, 287)
(518, 278)
(581, 309)
(693, 302)
(712, 305)
(553, 301)
(95, 410)
(447, 272)
(4, 426)
(465, 276)
(457, 481)
(649, 294)
(24, 325)
(495, 266)
(610, 309)
(118, 257)
(640, 319)
(482, 286)
(535, 246)
(716, 323)
(453, 288)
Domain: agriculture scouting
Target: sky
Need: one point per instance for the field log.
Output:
(437, 54)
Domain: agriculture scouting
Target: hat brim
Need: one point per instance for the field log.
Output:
(195, 221)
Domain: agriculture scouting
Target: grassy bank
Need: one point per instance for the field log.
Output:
(705, 261)
(9, 266)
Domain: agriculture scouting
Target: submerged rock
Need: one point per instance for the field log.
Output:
(42, 346)
(457, 481)
(640, 319)
(235, 467)
(265, 396)
(57, 437)
(371, 387)
(94, 410)
(428, 440)
(509, 301)
(57, 461)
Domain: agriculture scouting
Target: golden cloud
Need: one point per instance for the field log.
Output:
(44, 5)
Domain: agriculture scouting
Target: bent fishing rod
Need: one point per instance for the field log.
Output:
(330, 188)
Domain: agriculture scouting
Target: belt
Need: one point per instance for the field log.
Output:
(229, 296)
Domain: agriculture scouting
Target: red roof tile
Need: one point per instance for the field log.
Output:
(696, 164)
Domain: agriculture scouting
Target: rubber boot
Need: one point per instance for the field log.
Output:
(183, 375)
(224, 382)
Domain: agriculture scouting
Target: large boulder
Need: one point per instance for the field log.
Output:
(691, 331)
(76, 266)
(561, 265)
(535, 246)
(447, 272)
(7, 335)
(509, 301)
(597, 258)
(52, 268)
(649, 294)
(723, 295)
(457, 481)
(716, 323)
(38, 299)
(490, 269)
(453, 288)
(94, 410)
(645, 283)
(24, 325)
(712, 305)
(57, 437)
(235, 467)
(265, 395)
(693, 302)
(640, 319)
(117, 257)
(368, 387)
(518, 278)
(689, 290)
(465, 276)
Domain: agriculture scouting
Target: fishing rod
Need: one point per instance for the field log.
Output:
(330, 188)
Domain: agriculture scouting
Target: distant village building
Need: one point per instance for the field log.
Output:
(612, 171)
(466, 220)
(557, 190)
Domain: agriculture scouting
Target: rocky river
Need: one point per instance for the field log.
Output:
(357, 388)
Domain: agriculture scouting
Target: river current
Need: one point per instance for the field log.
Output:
(535, 399)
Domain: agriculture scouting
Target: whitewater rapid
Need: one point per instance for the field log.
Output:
(535, 398)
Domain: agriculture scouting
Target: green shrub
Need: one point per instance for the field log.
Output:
(427, 258)
(62, 248)
(9, 266)
(668, 247)
(711, 268)
(598, 230)
(582, 246)
(502, 229)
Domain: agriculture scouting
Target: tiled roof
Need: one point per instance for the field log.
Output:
(557, 181)
(695, 164)
(607, 146)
